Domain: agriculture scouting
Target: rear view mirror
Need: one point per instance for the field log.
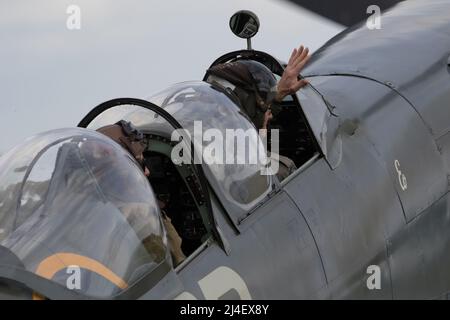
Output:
(244, 24)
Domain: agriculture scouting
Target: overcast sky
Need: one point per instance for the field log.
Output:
(50, 76)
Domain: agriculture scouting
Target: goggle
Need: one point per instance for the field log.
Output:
(130, 130)
(135, 135)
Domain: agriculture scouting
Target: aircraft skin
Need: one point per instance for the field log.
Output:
(383, 202)
(374, 196)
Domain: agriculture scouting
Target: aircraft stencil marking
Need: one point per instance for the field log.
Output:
(401, 177)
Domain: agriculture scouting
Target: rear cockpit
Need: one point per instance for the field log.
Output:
(73, 197)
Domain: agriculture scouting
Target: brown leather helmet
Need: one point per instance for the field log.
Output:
(250, 76)
(252, 83)
(128, 137)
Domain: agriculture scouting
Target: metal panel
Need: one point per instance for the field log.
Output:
(444, 147)
(275, 255)
(396, 132)
(393, 55)
(419, 255)
(351, 211)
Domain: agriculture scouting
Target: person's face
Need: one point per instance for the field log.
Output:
(140, 158)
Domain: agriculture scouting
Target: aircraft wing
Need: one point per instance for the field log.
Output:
(346, 12)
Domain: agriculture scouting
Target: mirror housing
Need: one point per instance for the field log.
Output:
(244, 24)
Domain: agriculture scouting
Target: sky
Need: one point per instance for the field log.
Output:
(51, 77)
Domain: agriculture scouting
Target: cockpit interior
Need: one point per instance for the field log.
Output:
(176, 188)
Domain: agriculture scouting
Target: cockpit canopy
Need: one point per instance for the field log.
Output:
(224, 138)
(74, 198)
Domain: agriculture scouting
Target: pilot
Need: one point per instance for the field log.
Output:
(258, 92)
(131, 139)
